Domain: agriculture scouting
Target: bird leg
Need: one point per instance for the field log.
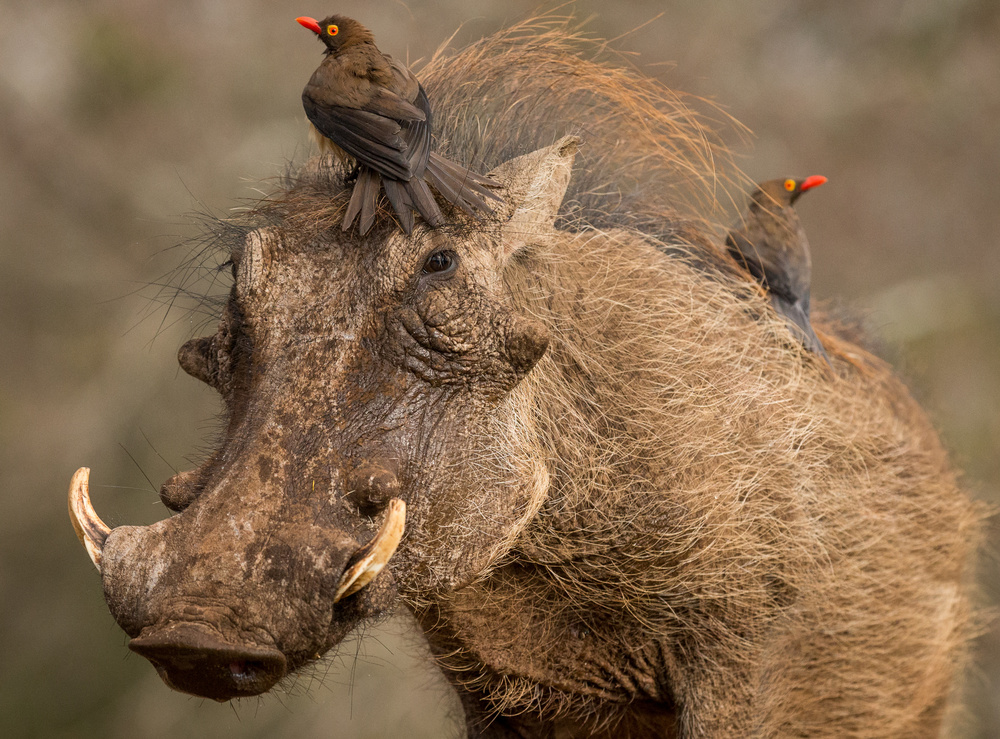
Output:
(352, 177)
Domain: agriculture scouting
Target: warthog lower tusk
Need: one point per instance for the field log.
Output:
(91, 530)
(374, 555)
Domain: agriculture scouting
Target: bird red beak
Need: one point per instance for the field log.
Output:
(809, 182)
(309, 23)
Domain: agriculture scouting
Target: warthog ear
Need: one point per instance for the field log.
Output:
(536, 184)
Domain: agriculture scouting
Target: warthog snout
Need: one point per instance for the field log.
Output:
(259, 596)
(192, 659)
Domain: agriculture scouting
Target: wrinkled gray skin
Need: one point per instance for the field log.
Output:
(633, 507)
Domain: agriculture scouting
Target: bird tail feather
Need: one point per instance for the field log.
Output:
(423, 199)
(400, 202)
(460, 186)
(465, 177)
(364, 199)
(405, 197)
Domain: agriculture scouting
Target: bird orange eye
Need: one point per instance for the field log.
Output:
(332, 30)
(789, 185)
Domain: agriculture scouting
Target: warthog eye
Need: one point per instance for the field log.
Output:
(441, 263)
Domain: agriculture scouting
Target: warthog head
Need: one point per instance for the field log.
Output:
(368, 387)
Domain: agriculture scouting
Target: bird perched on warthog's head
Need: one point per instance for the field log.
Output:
(368, 107)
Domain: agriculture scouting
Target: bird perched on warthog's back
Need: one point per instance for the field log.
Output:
(370, 108)
(770, 242)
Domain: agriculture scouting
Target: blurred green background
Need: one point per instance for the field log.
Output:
(118, 118)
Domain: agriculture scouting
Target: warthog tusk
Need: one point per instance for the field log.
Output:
(90, 529)
(374, 555)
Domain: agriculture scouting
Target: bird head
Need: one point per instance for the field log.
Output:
(337, 32)
(786, 191)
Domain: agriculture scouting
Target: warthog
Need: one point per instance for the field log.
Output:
(573, 440)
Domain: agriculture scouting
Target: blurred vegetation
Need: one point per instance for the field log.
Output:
(119, 118)
(118, 69)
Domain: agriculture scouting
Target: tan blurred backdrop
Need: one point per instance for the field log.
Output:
(118, 118)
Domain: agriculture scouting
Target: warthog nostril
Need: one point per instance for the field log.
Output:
(247, 672)
(192, 659)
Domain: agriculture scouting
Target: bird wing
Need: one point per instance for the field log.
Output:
(744, 252)
(418, 134)
(397, 101)
(374, 140)
(416, 129)
(383, 126)
(387, 103)
(770, 266)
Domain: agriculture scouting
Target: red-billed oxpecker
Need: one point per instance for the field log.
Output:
(771, 244)
(368, 108)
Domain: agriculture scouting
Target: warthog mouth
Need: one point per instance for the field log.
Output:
(193, 659)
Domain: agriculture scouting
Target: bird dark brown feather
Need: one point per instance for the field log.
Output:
(770, 243)
(373, 109)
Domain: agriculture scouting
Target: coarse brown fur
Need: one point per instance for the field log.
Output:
(636, 506)
(756, 516)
